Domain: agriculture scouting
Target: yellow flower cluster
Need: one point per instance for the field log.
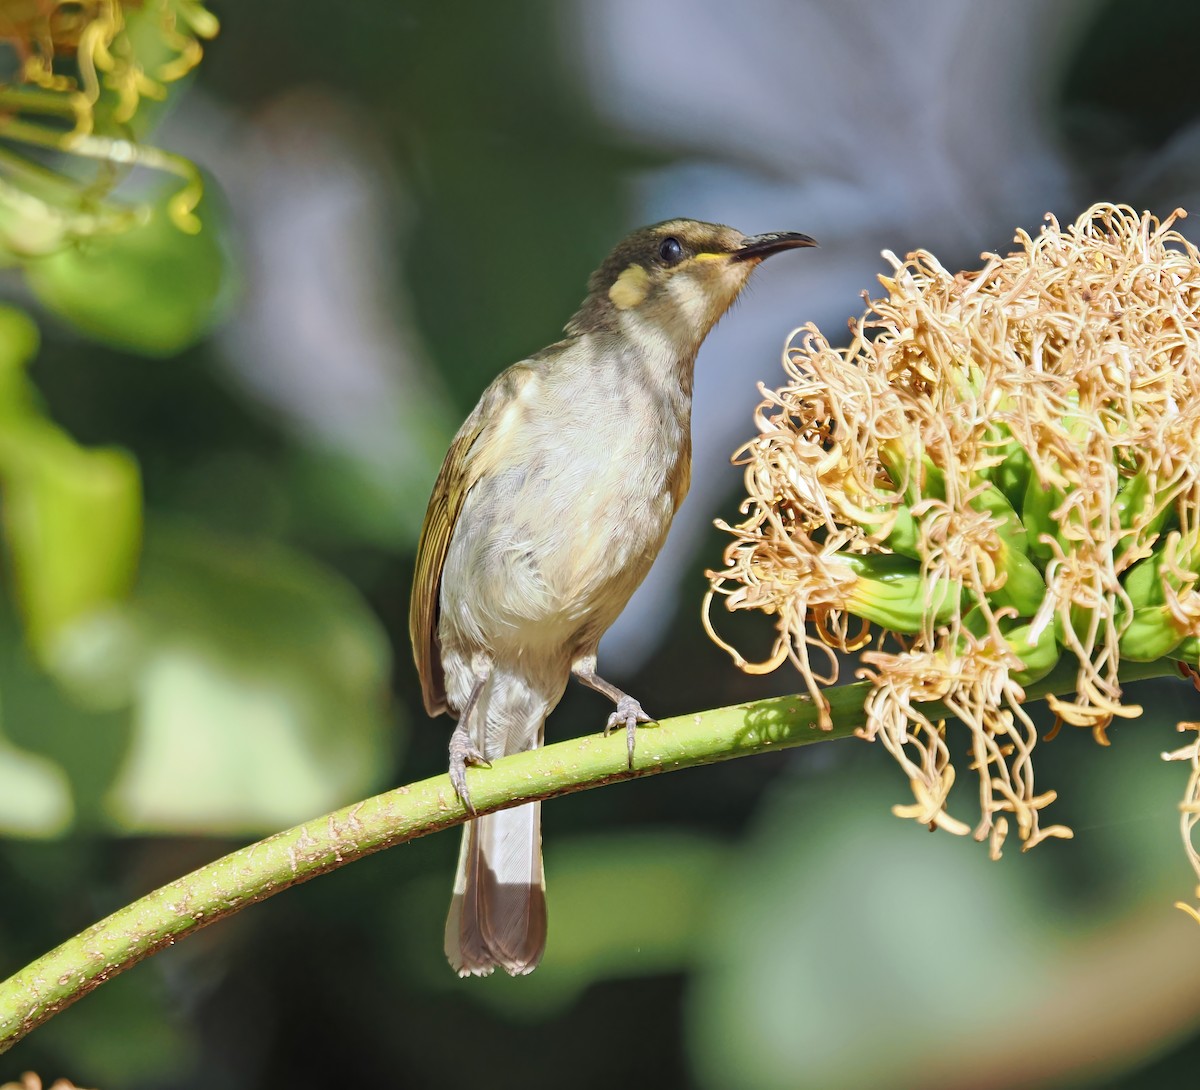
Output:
(76, 47)
(1000, 472)
(85, 67)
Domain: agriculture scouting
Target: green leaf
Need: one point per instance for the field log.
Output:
(73, 522)
(63, 757)
(35, 795)
(151, 289)
(259, 683)
(71, 515)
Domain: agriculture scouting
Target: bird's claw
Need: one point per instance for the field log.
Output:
(464, 752)
(628, 714)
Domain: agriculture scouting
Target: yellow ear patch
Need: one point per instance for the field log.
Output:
(630, 288)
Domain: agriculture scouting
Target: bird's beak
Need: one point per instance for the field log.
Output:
(756, 247)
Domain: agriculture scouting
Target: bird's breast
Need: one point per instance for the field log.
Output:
(598, 498)
(560, 531)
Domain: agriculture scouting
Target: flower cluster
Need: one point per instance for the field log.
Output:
(84, 69)
(999, 474)
(79, 47)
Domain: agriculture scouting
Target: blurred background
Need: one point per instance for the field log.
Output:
(237, 432)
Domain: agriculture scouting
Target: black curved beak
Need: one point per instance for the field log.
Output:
(759, 246)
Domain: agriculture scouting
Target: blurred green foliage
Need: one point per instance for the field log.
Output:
(203, 638)
(259, 685)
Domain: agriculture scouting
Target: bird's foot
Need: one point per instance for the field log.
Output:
(628, 714)
(464, 752)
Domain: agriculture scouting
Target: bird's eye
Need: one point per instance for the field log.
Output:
(671, 251)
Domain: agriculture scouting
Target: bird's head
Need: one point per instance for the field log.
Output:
(675, 279)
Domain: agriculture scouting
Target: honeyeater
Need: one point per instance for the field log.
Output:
(552, 503)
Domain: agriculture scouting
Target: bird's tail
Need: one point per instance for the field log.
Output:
(498, 911)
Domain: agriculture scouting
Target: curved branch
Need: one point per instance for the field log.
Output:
(221, 888)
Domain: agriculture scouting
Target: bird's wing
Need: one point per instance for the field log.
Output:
(469, 456)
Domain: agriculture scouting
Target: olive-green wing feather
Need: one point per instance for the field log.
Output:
(467, 458)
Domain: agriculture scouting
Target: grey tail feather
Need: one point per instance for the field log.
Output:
(498, 911)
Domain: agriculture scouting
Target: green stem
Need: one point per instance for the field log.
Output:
(56, 980)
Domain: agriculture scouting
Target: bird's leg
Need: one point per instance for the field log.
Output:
(463, 750)
(629, 712)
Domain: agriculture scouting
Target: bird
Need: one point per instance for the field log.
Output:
(552, 503)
